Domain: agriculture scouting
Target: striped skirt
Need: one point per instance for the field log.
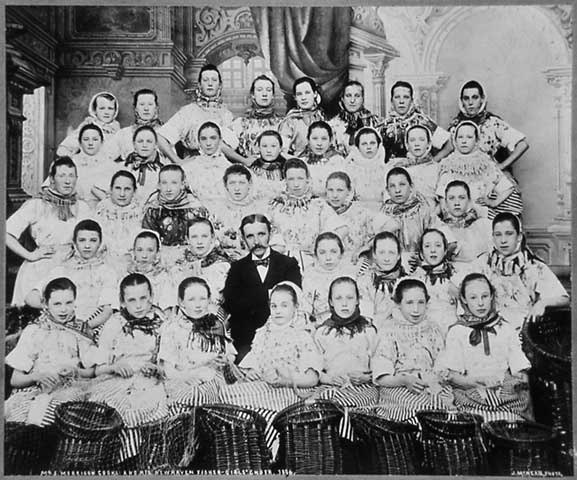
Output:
(510, 402)
(137, 399)
(512, 204)
(191, 393)
(400, 405)
(31, 405)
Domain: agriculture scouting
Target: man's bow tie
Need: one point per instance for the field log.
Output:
(262, 262)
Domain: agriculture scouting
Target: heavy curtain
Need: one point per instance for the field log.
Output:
(311, 41)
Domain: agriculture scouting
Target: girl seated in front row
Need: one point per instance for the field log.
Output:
(127, 356)
(483, 358)
(283, 354)
(348, 342)
(194, 348)
(525, 285)
(51, 353)
(406, 355)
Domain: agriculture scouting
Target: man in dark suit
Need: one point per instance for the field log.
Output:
(250, 279)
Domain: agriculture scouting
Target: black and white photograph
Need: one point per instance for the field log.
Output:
(285, 240)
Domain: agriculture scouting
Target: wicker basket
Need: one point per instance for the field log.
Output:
(167, 444)
(88, 437)
(385, 447)
(28, 449)
(309, 438)
(232, 439)
(518, 448)
(547, 344)
(452, 443)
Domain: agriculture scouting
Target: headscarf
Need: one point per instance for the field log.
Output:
(154, 122)
(109, 128)
(459, 125)
(156, 267)
(356, 120)
(62, 203)
(479, 118)
(426, 157)
(299, 314)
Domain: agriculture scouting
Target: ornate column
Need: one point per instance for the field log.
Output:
(560, 79)
(369, 56)
(33, 141)
(427, 89)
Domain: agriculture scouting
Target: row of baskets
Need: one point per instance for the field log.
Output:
(225, 438)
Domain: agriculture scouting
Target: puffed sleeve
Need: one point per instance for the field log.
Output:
(22, 218)
(310, 356)
(70, 146)
(385, 356)
(175, 129)
(87, 352)
(508, 136)
(170, 346)
(24, 354)
(330, 220)
(547, 284)
(252, 359)
(453, 356)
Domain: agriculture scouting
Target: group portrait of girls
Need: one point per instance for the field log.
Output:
(267, 258)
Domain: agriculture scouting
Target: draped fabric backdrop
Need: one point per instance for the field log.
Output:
(307, 41)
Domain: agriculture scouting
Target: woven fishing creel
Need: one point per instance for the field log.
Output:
(168, 443)
(232, 439)
(28, 449)
(520, 448)
(385, 447)
(88, 437)
(452, 443)
(309, 441)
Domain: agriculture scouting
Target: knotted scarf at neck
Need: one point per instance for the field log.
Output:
(509, 265)
(316, 159)
(480, 329)
(258, 111)
(153, 122)
(276, 164)
(148, 325)
(71, 324)
(208, 102)
(142, 164)
(352, 325)
(213, 256)
(464, 221)
(62, 203)
(399, 123)
(209, 327)
(152, 269)
(479, 118)
(289, 203)
(397, 209)
(355, 120)
(182, 200)
(344, 207)
(385, 281)
(439, 273)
